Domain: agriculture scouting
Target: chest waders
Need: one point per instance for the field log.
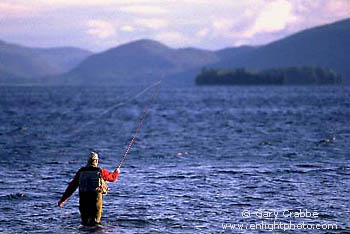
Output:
(91, 188)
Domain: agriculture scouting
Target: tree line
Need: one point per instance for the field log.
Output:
(276, 76)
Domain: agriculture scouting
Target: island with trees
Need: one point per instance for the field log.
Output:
(275, 76)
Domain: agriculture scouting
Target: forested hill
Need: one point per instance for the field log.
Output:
(324, 46)
(20, 64)
(137, 62)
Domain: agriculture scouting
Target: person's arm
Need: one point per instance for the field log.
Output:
(72, 186)
(110, 176)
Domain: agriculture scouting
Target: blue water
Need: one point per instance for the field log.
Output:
(203, 156)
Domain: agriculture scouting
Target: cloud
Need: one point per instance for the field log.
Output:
(222, 24)
(232, 27)
(203, 32)
(202, 23)
(339, 7)
(143, 9)
(100, 28)
(11, 10)
(77, 3)
(127, 28)
(173, 38)
(275, 16)
(152, 23)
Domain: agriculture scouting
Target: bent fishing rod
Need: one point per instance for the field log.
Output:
(142, 119)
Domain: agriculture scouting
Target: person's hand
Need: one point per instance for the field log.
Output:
(118, 170)
(60, 204)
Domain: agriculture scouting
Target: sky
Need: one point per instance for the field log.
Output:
(98, 25)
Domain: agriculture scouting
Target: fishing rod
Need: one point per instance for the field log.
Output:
(115, 107)
(142, 119)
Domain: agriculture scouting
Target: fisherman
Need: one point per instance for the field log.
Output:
(91, 181)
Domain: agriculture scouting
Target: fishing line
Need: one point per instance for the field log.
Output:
(116, 106)
(142, 119)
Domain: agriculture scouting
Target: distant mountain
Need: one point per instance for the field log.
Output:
(138, 61)
(65, 58)
(17, 62)
(141, 61)
(187, 77)
(324, 46)
(233, 52)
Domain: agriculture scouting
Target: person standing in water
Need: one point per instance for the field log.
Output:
(91, 181)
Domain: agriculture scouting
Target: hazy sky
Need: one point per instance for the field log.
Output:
(210, 24)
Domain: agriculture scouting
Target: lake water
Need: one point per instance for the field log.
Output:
(206, 158)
